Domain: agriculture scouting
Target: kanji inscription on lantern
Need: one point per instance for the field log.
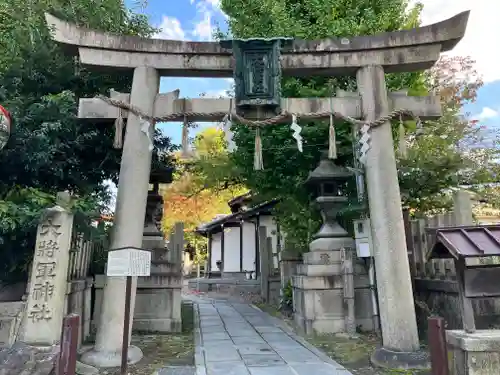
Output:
(257, 85)
(257, 71)
(325, 258)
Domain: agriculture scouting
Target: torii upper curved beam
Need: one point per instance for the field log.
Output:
(398, 51)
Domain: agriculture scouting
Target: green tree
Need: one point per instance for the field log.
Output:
(439, 159)
(210, 142)
(50, 150)
(453, 151)
(286, 168)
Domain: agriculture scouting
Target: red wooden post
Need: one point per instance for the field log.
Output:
(66, 364)
(437, 346)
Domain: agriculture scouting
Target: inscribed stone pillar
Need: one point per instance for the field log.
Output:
(462, 208)
(176, 246)
(47, 288)
(128, 223)
(399, 327)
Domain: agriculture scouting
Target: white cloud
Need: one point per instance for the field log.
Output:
(483, 26)
(212, 5)
(487, 113)
(203, 27)
(206, 9)
(171, 28)
(203, 30)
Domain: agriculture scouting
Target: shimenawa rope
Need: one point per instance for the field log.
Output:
(283, 117)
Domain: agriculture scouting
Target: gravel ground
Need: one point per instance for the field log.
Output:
(354, 354)
(167, 353)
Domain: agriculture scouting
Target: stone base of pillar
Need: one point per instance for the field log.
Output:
(114, 359)
(475, 353)
(397, 360)
(318, 294)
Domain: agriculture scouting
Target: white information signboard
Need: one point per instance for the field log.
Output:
(129, 262)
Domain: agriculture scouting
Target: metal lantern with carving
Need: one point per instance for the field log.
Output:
(330, 182)
(257, 72)
(5, 126)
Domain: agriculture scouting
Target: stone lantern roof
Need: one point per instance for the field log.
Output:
(327, 170)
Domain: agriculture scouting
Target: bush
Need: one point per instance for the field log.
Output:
(286, 300)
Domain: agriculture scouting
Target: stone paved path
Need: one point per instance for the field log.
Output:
(239, 339)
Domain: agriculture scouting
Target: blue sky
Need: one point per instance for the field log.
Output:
(186, 20)
(196, 20)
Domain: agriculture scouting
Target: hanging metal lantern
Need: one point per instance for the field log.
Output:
(257, 72)
(5, 126)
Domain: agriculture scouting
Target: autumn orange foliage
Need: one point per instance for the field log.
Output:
(193, 210)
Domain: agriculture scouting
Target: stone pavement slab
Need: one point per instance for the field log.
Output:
(215, 336)
(262, 360)
(177, 370)
(239, 339)
(226, 368)
(254, 348)
(276, 370)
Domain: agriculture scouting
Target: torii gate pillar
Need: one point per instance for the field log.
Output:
(128, 223)
(399, 327)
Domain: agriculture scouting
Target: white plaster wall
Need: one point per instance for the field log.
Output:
(216, 247)
(248, 246)
(232, 250)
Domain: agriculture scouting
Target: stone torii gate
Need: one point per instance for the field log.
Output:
(366, 57)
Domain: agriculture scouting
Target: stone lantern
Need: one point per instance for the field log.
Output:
(5, 127)
(154, 209)
(321, 300)
(257, 74)
(329, 182)
(158, 296)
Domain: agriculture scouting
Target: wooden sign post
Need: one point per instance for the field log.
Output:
(129, 262)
